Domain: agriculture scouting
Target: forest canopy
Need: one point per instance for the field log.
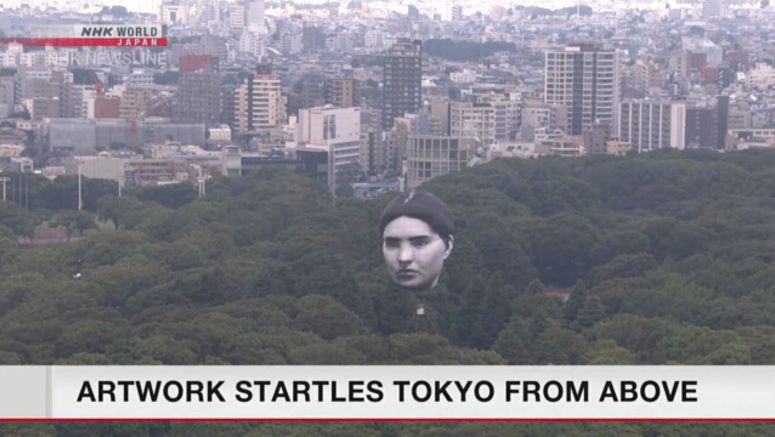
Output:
(464, 50)
(665, 258)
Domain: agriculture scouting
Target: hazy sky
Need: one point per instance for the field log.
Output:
(153, 5)
(135, 5)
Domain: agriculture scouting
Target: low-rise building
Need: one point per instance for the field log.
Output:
(430, 156)
(618, 148)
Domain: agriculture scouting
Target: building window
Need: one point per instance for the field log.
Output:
(329, 127)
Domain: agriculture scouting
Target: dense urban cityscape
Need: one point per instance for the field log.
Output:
(563, 186)
(395, 92)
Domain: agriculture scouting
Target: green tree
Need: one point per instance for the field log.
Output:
(607, 352)
(592, 312)
(557, 345)
(514, 342)
(8, 246)
(18, 219)
(325, 354)
(327, 318)
(73, 220)
(576, 301)
(115, 208)
(172, 195)
(561, 249)
(421, 349)
(638, 334)
(535, 287)
(622, 266)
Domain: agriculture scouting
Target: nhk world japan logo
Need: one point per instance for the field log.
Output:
(88, 35)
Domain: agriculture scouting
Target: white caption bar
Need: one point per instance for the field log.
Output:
(388, 392)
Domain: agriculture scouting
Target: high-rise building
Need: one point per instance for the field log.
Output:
(507, 101)
(402, 80)
(372, 146)
(255, 16)
(650, 125)
(198, 99)
(7, 91)
(712, 9)
(586, 80)
(34, 82)
(438, 111)
(251, 42)
(342, 92)
(237, 16)
(313, 38)
(309, 92)
(135, 103)
(455, 13)
(706, 124)
(397, 142)
(81, 101)
(259, 103)
(646, 76)
(740, 115)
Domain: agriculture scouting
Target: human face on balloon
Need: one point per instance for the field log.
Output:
(414, 253)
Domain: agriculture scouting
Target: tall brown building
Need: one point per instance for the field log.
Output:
(402, 80)
(372, 147)
(198, 99)
(45, 107)
(107, 107)
(706, 125)
(342, 93)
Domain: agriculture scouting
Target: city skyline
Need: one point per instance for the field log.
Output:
(154, 6)
(201, 183)
(247, 77)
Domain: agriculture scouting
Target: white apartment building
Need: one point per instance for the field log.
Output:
(337, 130)
(237, 16)
(761, 77)
(473, 120)
(586, 80)
(650, 125)
(259, 103)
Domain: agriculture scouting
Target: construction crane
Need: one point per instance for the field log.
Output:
(98, 87)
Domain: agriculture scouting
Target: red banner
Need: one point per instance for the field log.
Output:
(88, 42)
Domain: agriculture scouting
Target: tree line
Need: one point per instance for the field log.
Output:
(666, 258)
